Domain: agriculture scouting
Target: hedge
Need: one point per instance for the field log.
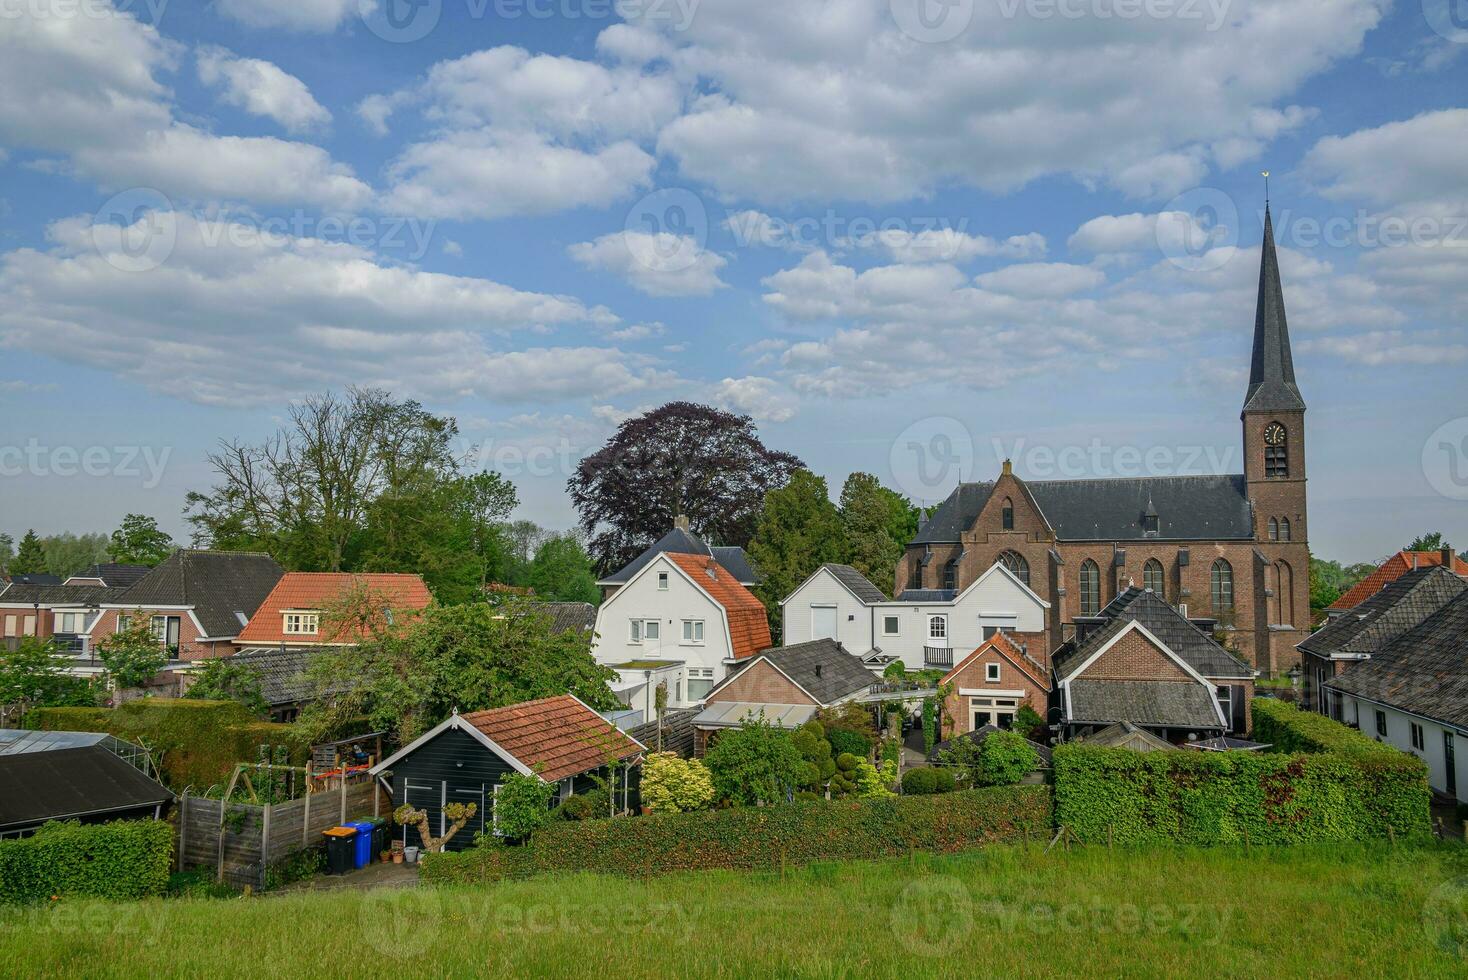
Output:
(194, 743)
(1186, 797)
(753, 838)
(1285, 728)
(122, 859)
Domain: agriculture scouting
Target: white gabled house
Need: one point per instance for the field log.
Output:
(922, 627)
(681, 621)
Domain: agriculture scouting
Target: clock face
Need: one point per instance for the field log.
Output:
(1274, 434)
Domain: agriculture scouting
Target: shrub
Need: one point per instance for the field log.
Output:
(122, 859)
(764, 837)
(522, 805)
(674, 785)
(584, 806)
(845, 741)
(1288, 729)
(919, 781)
(1004, 759)
(871, 781)
(930, 724)
(849, 716)
(754, 763)
(1234, 797)
(943, 781)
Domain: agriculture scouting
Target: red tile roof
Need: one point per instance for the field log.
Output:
(1006, 647)
(749, 624)
(1389, 571)
(557, 737)
(314, 591)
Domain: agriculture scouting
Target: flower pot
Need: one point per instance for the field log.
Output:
(397, 857)
(385, 856)
(410, 854)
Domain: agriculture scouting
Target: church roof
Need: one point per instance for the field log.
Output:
(1188, 508)
(1272, 370)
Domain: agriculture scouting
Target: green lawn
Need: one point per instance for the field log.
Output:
(1317, 911)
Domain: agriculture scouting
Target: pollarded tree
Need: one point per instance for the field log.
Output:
(681, 459)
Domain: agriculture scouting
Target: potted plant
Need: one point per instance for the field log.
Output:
(397, 852)
(385, 856)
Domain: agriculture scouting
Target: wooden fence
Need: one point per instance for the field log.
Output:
(240, 841)
(677, 732)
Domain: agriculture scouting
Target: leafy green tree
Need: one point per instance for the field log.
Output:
(799, 530)
(870, 517)
(32, 676)
(138, 541)
(225, 679)
(7, 551)
(30, 558)
(755, 763)
(408, 674)
(68, 553)
(562, 571)
(134, 654)
(1431, 541)
(522, 806)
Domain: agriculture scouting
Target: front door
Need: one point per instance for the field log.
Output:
(822, 622)
(1451, 762)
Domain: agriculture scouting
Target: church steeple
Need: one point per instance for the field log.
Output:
(1272, 372)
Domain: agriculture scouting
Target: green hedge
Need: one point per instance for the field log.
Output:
(750, 838)
(1286, 728)
(195, 743)
(122, 859)
(1186, 797)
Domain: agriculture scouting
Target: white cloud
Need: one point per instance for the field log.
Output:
(1398, 164)
(1041, 279)
(1170, 232)
(1386, 347)
(952, 245)
(243, 318)
(763, 399)
(262, 89)
(314, 16)
(661, 264)
(638, 331)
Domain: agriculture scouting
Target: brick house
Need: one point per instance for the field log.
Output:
(1392, 569)
(1233, 548)
(991, 684)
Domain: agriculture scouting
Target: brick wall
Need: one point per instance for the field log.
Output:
(190, 647)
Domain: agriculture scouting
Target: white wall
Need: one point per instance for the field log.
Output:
(853, 618)
(641, 599)
(994, 600)
(1399, 734)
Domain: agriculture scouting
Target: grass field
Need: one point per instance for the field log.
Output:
(1316, 911)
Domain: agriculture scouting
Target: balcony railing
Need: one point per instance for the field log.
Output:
(937, 656)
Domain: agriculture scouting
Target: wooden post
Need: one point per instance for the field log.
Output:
(183, 826)
(264, 842)
(1110, 836)
(306, 814)
(343, 818)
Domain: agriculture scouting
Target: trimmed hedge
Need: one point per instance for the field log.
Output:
(752, 838)
(1288, 729)
(122, 859)
(199, 741)
(1105, 795)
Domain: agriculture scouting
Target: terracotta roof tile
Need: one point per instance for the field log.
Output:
(1389, 571)
(749, 625)
(1005, 646)
(557, 737)
(317, 590)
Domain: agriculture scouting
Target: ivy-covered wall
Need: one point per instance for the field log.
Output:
(122, 859)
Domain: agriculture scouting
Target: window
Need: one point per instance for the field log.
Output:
(937, 627)
(1273, 529)
(1016, 563)
(1008, 514)
(302, 623)
(1276, 451)
(1221, 581)
(1419, 742)
(991, 673)
(635, 634)
(692, 631)
(989, 631)
(662, 581)
(1381, 723)
(166, 629)
(124, 622)
(1284, 528)
(700, 682)
(917, 577)
(998, 712)
(950, 575)
(1153, 578)
(890, 626)
(650, 629)
(1090, 588)
(11, 622)
(1225, 701)
(68, 622)
(1151, 524)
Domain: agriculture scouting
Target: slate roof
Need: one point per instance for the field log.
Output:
(557, 737)
(1155, 704)
(113, 574)
(317, 590)
(749, 624)
(221, 586)
(1424, 670)
(824, 668)
(36, 578)
(1389, 571)
(71, 782)
(859, 584)
(580, 616)
(1272, 385)
(979, 735)
(1392, 611)
(1125, 735)
(927, 595)
(1189, 508)
(679, 541)
(1200, 650)
(282, 672)
(57, 595)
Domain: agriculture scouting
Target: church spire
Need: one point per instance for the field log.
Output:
(1272, 372)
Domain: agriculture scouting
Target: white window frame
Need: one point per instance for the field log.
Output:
(994, 707)
(991, 673)
(494, 810)
(896, 621)
(1419, 737)
(301, 624)
(1381, 723)
(662, 581)
(692, 632)
(12, 623)
(941, 633)
(634, 631)
(700, 675)
(655, 633)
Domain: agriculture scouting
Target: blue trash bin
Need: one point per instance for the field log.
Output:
(363, 853)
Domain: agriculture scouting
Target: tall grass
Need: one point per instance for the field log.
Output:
(1317, 911)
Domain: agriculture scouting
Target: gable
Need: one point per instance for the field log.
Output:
(761, 683)
(1134, 656)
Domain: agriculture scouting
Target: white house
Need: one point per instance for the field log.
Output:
(681, 620)
(922, 628)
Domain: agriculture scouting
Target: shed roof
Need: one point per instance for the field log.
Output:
(557, 736)
(67, 783)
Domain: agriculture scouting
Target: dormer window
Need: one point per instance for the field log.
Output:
(1151, 523)
(302, 623)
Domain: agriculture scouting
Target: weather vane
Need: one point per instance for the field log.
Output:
(1265, 175)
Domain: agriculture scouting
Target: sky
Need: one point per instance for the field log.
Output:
(908, 237)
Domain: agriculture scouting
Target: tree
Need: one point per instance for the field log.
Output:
(138, 541)
(225, 679)
(562, 571)
(522, 805)
(31, 676)
(457, 814)
(874, 519)
(682, 459)
(407, 674)
(133, 654)
(30, 559)
(799, 529)
(67, 553)
(675, 785)
(754, 763)
(7, 551)
(1431, 541)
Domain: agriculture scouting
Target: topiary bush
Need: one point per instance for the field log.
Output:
(848, 742)
(919, 781)
(943, 781)
(1004, 759)
(122, 859)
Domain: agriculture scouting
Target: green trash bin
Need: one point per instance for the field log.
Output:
(341, 849)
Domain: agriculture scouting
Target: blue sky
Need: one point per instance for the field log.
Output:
(907, 241)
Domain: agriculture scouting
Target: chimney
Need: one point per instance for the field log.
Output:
(1448, 556)
(681, 522)
(1414, 561)
(1008, 468)
(818, 670)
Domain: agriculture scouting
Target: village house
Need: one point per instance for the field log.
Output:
(1392, 569)
(991, 684)
(682, 541)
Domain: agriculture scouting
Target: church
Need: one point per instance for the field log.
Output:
(1230, 552)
